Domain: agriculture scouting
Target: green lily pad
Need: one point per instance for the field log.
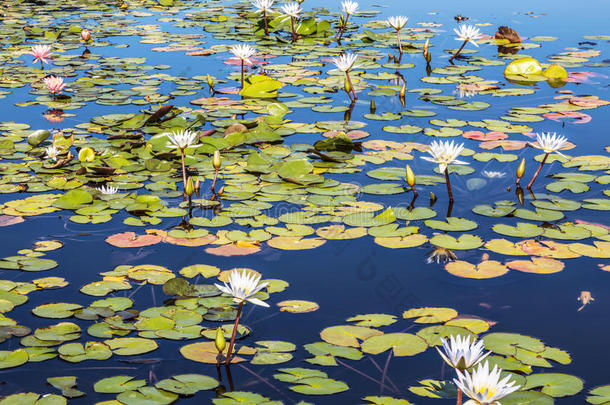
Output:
(402, 344)
(554, 384)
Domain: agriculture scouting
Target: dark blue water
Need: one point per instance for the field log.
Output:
(350, 277)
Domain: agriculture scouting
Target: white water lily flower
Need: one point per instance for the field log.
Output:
(468, 33)
(484, 387)
(493, 175)
(444, 153)
(292, 10)
(349, 7)
(52, 152)
(263, 5)
(550, 143)
(243, 286)
(398, 22)
(243, 52)
(345, 62)
(182, 139)
(460, 354)
(108, 190)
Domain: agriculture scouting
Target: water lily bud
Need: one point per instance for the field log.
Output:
(347, 86)
(197, 185)
(521, 169)
(189, 187)
(410, 176)
(210, 81)
(220, 341)
(86, 155)
(85, 35)
(216, 160)
(432, 198)
(403, 91)
(373, 107)
(426, 52)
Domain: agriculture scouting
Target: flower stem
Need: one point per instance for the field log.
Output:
(242, 73)
(294, 34)
(459, 397)
(349, 80)
(265, 19)
(529, 185)
(214, 182)
(448, 184)
(228, 360)
(183, 168)
(399, 42)
(458, 51)
(342, 28)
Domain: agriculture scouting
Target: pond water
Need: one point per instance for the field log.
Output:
(333, 225)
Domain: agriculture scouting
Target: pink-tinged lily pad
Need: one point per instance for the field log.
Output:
(234, 249)
(130, 239)
(481, 136)
(571, 117)
(6, 220)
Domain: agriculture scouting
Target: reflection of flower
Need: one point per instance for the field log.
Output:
(41, 53)
(441, 255)
(493, 175)
(397, 22)
(54, 84)
(484, 387)
(460, 354)
(54, 116)
(52, 152)
(182, 139)
(243, 52)
(444, 153)
(108, 190)
(349, 7)
(243, 286)
(468, 33)
(464, 93)
(550, 143)
(345, 62)
(292, 10)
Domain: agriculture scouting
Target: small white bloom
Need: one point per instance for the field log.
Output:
(444, 153)
(460, 354)
(262, 5)
(243, 286)
(243, 52)
(182, 139)
(493, 175)
(108, 190)
(398, 22)
(484, 387)
(550, 143)
(52, 152)
(349, 7)
(468, 33)
(292, 10)
(345, 62)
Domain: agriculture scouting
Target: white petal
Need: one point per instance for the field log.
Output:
(256, 301)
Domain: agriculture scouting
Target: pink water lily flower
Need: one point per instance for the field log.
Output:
(41, 53)
(54, 84)
(85, 35)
